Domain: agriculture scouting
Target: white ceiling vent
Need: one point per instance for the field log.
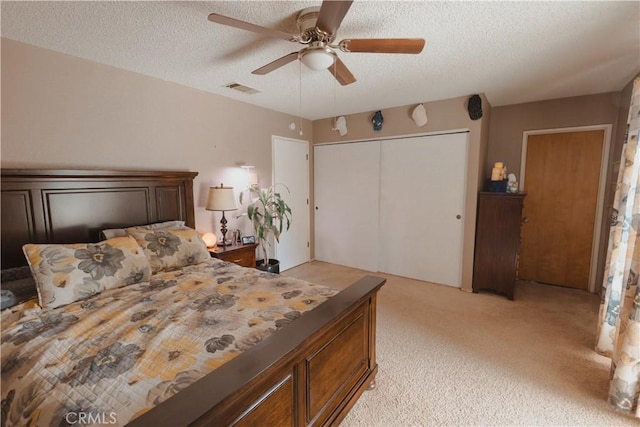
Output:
(242, 88)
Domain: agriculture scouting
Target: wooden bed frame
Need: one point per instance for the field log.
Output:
(310, 373)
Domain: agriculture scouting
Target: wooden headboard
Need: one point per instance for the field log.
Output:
(72, 206)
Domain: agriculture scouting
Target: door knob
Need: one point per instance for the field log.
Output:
(458, 216)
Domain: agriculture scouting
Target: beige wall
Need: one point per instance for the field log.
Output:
(63, 111)
(620, 133)
(443, 115)
(509, 122)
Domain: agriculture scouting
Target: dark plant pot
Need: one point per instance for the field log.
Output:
(272, 267)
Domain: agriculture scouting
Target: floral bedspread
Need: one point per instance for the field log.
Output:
(110, 358)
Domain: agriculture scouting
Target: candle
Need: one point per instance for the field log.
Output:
(496, 174)
(498, 171)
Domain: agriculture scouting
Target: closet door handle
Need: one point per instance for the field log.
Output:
(458, 216)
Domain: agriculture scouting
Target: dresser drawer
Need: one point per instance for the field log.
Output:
(244, 256)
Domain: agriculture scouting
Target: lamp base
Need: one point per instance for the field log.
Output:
(224, 240)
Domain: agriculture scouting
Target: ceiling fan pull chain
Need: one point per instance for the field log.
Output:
(335, 81)
(300, 92)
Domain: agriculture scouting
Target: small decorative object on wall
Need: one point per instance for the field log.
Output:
(419, 115)
(377, 121)
(341, 125)
(475, 107)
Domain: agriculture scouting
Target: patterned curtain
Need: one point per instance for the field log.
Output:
(618, 335)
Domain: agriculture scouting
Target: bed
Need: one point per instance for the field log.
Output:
(309, 371)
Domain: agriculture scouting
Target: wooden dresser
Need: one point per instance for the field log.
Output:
(495, 265)
(243, 255)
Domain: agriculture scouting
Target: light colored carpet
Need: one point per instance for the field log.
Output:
(452, 358)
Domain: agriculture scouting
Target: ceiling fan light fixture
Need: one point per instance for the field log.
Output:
(318, 57)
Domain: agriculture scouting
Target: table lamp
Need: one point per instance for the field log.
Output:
(221, 199)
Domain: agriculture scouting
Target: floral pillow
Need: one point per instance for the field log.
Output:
(171, 249)
(121, 232)
(68, 273)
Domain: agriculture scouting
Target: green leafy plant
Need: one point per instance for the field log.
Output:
(269, 214)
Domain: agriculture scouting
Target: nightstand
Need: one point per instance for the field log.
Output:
(243, 255)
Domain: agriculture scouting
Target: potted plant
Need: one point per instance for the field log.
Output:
(269, 214)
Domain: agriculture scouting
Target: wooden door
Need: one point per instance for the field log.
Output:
(562, 175)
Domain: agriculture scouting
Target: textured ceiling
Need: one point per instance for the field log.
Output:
(514, 52)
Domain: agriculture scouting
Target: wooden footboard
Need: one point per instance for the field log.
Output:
(310, 373)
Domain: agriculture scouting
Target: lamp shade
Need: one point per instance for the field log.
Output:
(221, 199)
(318, 58)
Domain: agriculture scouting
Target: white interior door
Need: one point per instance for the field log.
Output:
(422, 188)
(291, 168)
(346, 188)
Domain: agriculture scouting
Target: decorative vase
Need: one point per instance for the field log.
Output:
(273, 266)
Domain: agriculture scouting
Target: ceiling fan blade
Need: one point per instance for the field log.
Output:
(232, 22)
(382, 45)
(331, 15)
(341, 73)
(276, 64)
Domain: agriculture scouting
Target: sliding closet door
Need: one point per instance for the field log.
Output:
(346, 188)
(422, 188)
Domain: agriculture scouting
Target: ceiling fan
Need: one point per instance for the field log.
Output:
(318, 27)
